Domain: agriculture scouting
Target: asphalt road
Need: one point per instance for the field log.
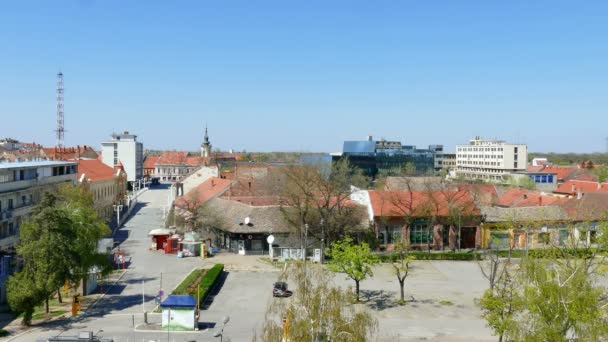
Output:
(123, 306)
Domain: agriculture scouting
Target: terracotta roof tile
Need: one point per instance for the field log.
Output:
(209, 189)
(402, 203)
(95, 170)
(150, 162)
(572, 187)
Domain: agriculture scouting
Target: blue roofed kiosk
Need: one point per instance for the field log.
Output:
(179, 313)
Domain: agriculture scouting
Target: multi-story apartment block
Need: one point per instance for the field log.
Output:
(491, 160)
(126, 149)
(22, 185)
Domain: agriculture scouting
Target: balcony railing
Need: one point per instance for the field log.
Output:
(24, 184)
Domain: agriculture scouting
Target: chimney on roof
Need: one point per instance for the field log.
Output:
(525, 196)
(573, 188)
(579, 194)
(212, 182)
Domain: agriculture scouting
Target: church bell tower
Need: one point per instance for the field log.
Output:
(206, 145)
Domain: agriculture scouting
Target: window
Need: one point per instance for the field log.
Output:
(544, 237)
(10, 203)
(499, 240)
(419, 234)
(23, 200)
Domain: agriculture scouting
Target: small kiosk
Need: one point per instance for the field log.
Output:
(159, 238)
(179, 313)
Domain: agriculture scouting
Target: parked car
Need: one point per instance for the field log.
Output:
(280, 290)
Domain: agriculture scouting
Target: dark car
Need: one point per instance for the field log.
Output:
(280, 290)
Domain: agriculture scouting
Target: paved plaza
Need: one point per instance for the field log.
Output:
(441, 294)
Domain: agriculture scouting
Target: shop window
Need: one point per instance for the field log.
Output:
(420, 234)
(500, 240)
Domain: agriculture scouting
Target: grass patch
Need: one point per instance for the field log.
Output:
(191, 281)
(446, 303)
(42, 315)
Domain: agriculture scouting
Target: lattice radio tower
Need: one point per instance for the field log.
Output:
(60, 129)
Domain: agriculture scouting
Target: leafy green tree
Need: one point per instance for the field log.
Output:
(355, 261)
(46, 248)
(500, 305)
(88, 229)
(317, 311)
(24, 295)
(58, 243)
(401, 266)
(601, 172)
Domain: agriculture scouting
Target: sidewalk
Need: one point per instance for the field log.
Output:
(59, 311)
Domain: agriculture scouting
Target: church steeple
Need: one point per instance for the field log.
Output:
(206, 145)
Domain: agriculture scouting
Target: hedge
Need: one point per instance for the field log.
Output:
(549, 253)
(191, 280)
(209, 281)
(461, 256)
(203, 280)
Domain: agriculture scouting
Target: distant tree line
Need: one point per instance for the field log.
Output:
(571, 158)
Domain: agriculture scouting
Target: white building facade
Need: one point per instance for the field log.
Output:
(490, 160)
(22, 185)
(126, 149)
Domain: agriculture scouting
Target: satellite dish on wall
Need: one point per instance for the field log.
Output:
(270, 239)
(247, 220)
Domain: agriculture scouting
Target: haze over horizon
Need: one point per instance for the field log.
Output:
(284, 76)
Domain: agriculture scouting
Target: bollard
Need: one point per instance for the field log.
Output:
(145, 317)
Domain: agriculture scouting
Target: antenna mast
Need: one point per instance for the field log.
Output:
(60, 129)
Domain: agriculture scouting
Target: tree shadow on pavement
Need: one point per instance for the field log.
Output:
(379, 300)
(216, 289)
(117, 303)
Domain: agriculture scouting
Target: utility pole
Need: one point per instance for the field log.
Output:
(60, 129)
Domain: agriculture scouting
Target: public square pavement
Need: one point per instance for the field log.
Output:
(443, 306)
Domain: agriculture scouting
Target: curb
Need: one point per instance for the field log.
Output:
(23, 333)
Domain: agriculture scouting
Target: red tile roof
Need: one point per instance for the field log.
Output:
(95, 170)
(67, 153)
(563, 173)
(514, 196)
(537, 200)
(181, 158)
(150, 162)
(418, 204)
(209, 189)
(572, 187)
(484, 194)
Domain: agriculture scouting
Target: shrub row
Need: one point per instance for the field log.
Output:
(548, 253)
(190, 281)
(203, 280)
(462, 256)
(209, 281)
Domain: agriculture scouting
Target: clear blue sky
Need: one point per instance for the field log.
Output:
(307, 75)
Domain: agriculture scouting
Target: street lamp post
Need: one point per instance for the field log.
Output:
(117, 209)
